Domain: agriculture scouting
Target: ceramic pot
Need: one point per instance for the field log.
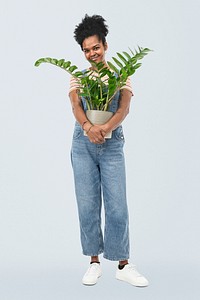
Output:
(99, 117)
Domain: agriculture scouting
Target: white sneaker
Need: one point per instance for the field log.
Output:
(132, 276)
(92, 274)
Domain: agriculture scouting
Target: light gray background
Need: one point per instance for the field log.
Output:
(40, 252)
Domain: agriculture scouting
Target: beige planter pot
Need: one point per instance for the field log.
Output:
(99, 117)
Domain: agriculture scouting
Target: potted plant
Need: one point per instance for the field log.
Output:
(100, 86)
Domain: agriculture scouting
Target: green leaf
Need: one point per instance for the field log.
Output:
(54, 61)
(124, 73)
(66, 64)
(47, 59)
(42, 60)
(38, 62)
(113, 67)
(78, 74)
(133, 60)
(60, 62)
(131, 71)
(137, 66)
(127, 55)
(72, 68)
(117, 62)
(122, 57)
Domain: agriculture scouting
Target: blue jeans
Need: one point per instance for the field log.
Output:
(99, 174)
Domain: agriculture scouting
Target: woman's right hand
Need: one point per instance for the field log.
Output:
(96, 134)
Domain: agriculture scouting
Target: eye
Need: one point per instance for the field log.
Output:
(96, 48)
(85, 51)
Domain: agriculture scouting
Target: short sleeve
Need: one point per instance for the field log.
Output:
(128, 86)
(74, 84)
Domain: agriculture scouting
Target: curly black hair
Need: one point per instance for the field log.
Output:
(94, 25)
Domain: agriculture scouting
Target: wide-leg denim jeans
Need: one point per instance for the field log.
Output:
(99, 175)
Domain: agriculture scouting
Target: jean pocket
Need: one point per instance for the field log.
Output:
(77, 132)
(119, 133)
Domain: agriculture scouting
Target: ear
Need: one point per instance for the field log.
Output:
(106, 46)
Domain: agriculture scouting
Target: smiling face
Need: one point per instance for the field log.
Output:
(94, 49)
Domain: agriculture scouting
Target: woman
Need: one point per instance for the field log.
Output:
(99, 169)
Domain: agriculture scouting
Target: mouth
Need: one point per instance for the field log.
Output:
(95, 57)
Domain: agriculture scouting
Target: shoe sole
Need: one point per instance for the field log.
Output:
(90, 284)
(136, 285)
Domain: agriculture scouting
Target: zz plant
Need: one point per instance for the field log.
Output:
(99, 87)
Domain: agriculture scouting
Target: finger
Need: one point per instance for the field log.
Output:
(97, 141)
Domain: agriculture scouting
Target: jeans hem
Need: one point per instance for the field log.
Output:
(93, 254)
(115, 258)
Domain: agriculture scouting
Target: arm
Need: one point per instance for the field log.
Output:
(77, 108)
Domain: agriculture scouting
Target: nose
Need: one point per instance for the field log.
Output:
(92, 52)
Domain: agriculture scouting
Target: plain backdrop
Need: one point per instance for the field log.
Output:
(40, 253)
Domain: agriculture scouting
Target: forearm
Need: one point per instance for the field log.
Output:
(117, 119)
(78, 111)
